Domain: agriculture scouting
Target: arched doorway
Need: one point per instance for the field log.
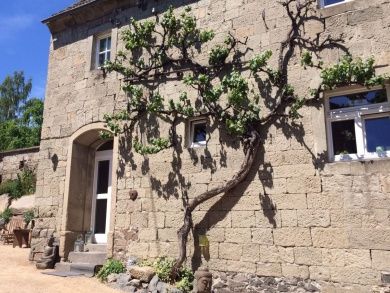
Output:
(88, 188)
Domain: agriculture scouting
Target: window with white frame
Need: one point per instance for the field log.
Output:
(326, 3)
(103, 50)
(197, 133)
(358, 124)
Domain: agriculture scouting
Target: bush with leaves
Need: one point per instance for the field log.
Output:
(28, 216)
(6, 215)
(112, 266)
(163, 266)
(25, 184)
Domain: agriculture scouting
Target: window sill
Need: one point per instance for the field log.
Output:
(336, 9)
(355, 158)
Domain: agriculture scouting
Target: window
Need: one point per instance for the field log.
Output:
(198, 131)
(103, 50)
(325, 3)
(358, 124)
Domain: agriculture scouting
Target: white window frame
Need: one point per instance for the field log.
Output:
(105, 52)
(191, 131)
(322, 3)
(358, 114)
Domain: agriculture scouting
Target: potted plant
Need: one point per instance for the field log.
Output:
(380, 150)
(344, 155)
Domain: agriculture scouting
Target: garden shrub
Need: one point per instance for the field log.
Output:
(6, 215)
(112, 266)
(163, 267)
(25, 184)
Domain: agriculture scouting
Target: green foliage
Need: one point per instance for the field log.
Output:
(14, 91)
(23, 185)
(163, 267)
(306, 59)
(156, 145)
(260, 61)
(351, 71)
(112, 266)
(28, 216)
(6, 215)
(20, 119)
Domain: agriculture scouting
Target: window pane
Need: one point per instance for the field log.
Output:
(344, 139)
(108, 56)
(378, 134)
(103, 176)
(102, 59)
(360, 99)
(100, 216)
(108, 43)
(199, 132)
(330, 2)
(102, 45)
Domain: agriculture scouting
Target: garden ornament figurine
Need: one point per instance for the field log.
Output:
(203, 281)
(47, 260)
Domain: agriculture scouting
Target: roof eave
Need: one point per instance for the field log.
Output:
(65, 12)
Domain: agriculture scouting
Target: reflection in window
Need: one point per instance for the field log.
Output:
(344, 138)
(359, 99)
(378, 134)
(198, 133)
(103, 177)
(103, 51)
(330, 2)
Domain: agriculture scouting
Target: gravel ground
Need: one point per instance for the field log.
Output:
(18, 275)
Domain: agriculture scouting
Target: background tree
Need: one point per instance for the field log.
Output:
(20, 118)
(225, 88)
(14, 91)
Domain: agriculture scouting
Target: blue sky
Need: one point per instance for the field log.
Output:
(24, 40)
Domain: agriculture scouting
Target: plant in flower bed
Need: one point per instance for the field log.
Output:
(6, 215)
(163, 267)
(227, 88)
(23, 185)
(112, 266)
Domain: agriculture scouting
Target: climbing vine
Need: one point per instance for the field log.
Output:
(220, 85)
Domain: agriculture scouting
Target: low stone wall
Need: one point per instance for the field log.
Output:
(11, 162)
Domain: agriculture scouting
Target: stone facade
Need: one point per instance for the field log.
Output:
(11, 162)
(296, 215)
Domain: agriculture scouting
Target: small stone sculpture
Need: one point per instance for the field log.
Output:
(203, 281)
(47, 260)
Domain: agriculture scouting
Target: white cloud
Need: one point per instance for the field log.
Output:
(11, 25)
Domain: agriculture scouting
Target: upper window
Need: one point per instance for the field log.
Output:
(325, 3)
(358, 125)
(103, 50)
(198, 132)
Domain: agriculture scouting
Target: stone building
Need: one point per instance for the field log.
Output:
(316, 204)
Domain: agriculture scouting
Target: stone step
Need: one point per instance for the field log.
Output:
(86, 269)
(96, 248)
(95, 258)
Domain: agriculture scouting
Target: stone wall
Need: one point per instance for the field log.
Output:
(296, 214)
(11, 162)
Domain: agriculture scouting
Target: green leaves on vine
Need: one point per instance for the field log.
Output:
(258, 62)
(156, 145)
(351, 71)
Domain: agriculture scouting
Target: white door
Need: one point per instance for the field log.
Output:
(101, 205)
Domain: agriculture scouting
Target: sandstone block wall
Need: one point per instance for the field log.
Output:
(297, 214)
(11, 162)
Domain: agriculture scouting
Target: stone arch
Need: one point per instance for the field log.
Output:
(76, 212)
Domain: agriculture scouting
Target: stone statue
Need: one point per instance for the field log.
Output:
(203, 281)
(48, 258)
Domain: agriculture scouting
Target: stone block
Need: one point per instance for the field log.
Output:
(268, 269)
(230, 251)
(238, 235)
(144, 274)
(276, 254)
(262, 236)
(291, 270)
(250, 252)
(313, 218)
(289, 218)
(292, 237)
(381, 260)
(240, 266)
(330, 238)
(308, 256)
(300, 185)
(378, 239)
(319, 273)
(243, 219)
(355, 276)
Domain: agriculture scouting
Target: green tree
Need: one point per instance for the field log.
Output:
(14, 91)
